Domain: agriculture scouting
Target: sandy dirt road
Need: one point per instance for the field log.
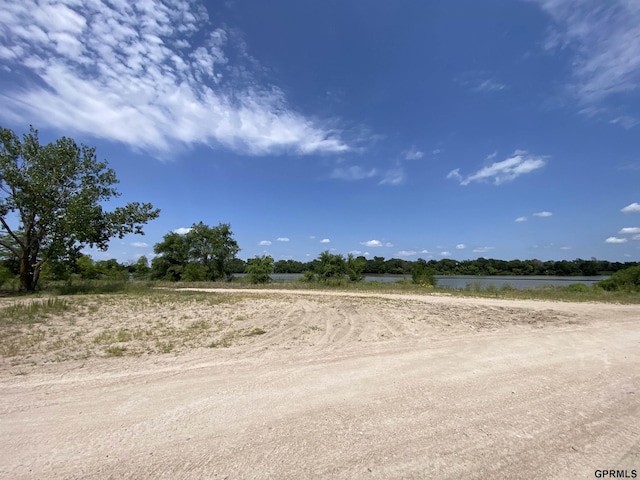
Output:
(346, 386)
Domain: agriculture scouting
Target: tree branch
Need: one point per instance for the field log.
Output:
(10, 232)
(10, 248)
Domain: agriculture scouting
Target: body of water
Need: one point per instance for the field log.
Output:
(462, 281)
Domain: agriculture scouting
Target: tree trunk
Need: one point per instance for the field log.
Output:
(26, 275)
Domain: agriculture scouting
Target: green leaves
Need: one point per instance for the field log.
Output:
(56, 192)
(204, 253)
(259, 269)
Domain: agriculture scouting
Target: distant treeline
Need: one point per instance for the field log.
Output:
(480, 266)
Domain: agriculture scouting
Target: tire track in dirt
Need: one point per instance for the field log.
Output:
(345, 387)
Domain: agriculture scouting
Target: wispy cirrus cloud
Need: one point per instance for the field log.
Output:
(518, 164)
(393, 177)
(542, 214)
(604, 41)
(483, 249)
(353, 173)
(282, 239)
(480, 82)
(264, 243)
(413, 154)
(152, 75)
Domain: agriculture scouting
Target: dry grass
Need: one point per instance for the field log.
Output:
(35, 330)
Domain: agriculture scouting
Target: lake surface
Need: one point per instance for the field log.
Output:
(462, 281)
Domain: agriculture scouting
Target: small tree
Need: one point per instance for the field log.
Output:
(51, 199)
(141, 268)
(422, 274)
(355, 267)
(331, 267)
(259, 269)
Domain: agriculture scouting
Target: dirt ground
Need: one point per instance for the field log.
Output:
(304, 384)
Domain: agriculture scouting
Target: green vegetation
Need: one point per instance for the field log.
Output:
(627, 280)
(203, 253)
(57, 191)
(334, 269)
(480, 266)
(422, 274)
(259, 269)
(35, 311)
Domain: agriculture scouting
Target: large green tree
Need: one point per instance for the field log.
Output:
(51, 202)
(204, 253)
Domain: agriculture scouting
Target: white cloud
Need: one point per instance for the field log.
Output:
(406, 253)
(354, 172)
(629, 230)
(139, 244)
(633, 207)
(445, 254)
(480, 82)
(425, 251)
(521, 219)
(603, 40)
(393, 177)
(636, 237)
(182, 230)
(461, 246)
(542, 214)
(153, 75)
(488, 85)
(264, 243)
(482, 249)
(615, 240)
(372, 243)
(625, 121)
(388, 244)
(325, 240)
(282, 239)
(413, 154)
(355, 252)
(520, 163)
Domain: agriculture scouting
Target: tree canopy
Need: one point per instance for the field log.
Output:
(203, 253)
(51, 202)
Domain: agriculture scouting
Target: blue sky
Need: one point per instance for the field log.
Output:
(439, 129)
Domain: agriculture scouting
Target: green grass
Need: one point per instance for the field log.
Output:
(569, 293)
(35, 311)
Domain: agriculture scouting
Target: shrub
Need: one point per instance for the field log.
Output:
(259, 269)
(577, 287)
(626, 280)
(421, 274)
(308, 276)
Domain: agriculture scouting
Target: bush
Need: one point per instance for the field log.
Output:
(625, 280)
(577, 287)
(423, 275)
(259, 269)
(308, 276)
